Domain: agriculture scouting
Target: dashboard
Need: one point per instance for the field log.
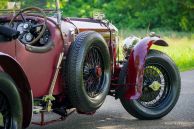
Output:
(27, 36)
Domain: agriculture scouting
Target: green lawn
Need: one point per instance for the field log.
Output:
(181, 50)
(181, 46)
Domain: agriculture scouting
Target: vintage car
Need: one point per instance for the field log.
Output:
(50, 63)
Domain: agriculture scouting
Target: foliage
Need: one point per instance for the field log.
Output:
(168, 14)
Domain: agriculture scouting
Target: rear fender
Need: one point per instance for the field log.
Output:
(10, 66)
(135, 71)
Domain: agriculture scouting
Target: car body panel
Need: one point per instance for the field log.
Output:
(12, 67)
(40, 68)
(8, 44)
(136, 61)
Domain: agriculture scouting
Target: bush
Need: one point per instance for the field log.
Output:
(168, 14)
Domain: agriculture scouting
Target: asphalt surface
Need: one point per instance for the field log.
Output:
(113, 116)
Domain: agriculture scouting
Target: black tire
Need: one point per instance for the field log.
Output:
(88, 48)
(10, 104)
(158, 65)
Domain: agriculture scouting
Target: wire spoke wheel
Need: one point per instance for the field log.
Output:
(5, 117)
(93, 72)
(160, 91)
(87, 71)
(150, 97)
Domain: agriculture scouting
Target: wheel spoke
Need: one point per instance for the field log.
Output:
(93, 72)
(151, 98)
(5, 118)
(1, 121)
(1, 103)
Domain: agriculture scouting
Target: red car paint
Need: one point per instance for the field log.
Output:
(39, 67)
(136, 66)
(13, 68)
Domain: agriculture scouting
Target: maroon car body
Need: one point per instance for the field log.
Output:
(33, 67)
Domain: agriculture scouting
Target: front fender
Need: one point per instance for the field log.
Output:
(136, 61)
(10, 66)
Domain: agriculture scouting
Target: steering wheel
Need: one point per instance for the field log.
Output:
(28, 26)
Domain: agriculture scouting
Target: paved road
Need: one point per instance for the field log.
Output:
(112, 115)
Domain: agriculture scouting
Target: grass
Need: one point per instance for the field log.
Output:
(181, 46)
(181, 51)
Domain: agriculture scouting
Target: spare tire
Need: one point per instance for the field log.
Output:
(88, 71)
